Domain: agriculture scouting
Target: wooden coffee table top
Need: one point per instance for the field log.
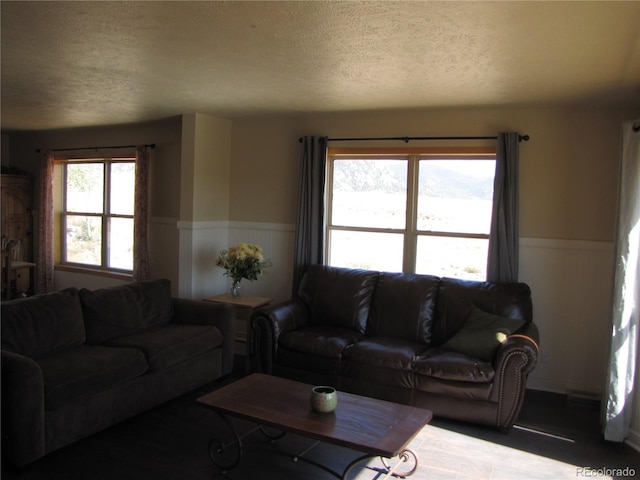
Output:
(372, 426)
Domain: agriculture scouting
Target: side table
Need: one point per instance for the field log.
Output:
(244, 307)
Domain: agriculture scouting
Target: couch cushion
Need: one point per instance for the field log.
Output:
(375, 365)
(167, 345)
(482, 334)
(403, 307)
(319, 341)
(456, 298)
(123, 310)
(445, 364)
(42, 324)
(382, 352)
(339, 297)
(87, 369)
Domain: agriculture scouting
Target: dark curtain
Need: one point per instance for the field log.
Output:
(309, 246)
(141, 216)
(502, 264)
(44, 262)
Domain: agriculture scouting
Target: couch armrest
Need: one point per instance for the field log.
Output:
(23, 423)
(220, 315)
(268, 323)
(515, 358)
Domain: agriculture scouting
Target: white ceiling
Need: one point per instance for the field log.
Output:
(70, 64)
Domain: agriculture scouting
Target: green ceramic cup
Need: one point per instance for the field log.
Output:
(324, 399)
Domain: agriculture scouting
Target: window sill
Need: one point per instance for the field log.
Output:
(95, 272)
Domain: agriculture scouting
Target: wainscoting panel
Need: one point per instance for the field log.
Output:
(201, 243)
(571, 283)
(277, 242)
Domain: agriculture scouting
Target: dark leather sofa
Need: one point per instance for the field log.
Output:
(77, 361)
(462, 349)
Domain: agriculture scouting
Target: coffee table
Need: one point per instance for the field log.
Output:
(374, 427)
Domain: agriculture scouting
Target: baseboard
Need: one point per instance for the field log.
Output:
(633, 440)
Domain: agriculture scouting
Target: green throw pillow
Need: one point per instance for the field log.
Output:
(482, 334)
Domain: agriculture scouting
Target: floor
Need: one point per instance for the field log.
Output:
(554, 439)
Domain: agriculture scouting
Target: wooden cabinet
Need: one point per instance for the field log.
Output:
(16, 222)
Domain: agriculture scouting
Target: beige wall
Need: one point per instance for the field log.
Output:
(206, 165)
(164, 192)
(568, 168)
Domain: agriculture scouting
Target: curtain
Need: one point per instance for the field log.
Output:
(502, 262)
(141, 216)
(626, 292)
(309, 241)
(44, 259)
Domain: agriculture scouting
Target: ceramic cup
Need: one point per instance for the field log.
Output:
(324, 399)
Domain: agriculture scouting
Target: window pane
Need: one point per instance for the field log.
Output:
(85, 183)
(121, 243)
(455, 195)
(369, 193)
(122, 188)
(366, 250)
(452, 257)
(84, 239)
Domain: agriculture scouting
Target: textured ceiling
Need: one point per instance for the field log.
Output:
(70, 64)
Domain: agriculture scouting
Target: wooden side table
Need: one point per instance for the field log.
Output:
(244, 307)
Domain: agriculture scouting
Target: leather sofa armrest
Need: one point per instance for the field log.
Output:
(515, 358)
(23, 418)
(268, 323)
(220, 315)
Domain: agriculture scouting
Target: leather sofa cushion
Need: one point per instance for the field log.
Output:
(118, 311)
(403, 307)
(338, 297)
(319, 341)
(381, 362)
(457, 297)
(87, 369)
(42, 324)
(308, 365)
(168, 345)
(382, 352)
(429, 388)
(449, 365)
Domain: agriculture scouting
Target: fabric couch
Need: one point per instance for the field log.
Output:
(462, 349)
(77, 361)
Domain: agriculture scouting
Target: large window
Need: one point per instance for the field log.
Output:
(423, 213)
(96, 214)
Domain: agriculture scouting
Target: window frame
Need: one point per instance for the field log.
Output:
(412, 155)
(60, 237)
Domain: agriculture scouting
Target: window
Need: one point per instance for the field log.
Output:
(96, 208)
(426, 213)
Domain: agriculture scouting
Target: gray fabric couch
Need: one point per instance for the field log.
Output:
(77, 361)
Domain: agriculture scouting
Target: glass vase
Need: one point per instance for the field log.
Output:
(235, 289)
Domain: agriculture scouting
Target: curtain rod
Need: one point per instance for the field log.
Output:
(150, 145)
(521, 138)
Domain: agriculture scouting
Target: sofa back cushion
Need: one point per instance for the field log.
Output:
(118, 311)
(339, 297)
(404, 307)
(457, 298)
(42, 324)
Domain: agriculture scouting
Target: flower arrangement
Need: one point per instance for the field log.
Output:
(245, 260)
